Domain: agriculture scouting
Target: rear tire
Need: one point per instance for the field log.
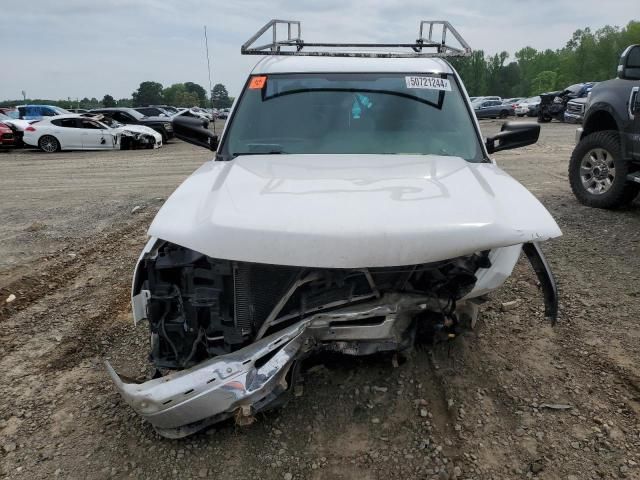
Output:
(48, 144)
(598, 172)
(504, 114)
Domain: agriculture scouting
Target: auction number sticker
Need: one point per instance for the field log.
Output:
(429, 83)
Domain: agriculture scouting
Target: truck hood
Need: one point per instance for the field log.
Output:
(350, 211)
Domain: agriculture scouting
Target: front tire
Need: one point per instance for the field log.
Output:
(48, 144)
(598, 172)
(544, 118)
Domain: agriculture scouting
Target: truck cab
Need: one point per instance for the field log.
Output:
(604, 170)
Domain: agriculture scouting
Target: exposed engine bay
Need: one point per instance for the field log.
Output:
(130, 140)
(201, 307)
(227, 337)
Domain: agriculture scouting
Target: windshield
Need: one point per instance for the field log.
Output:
(111, 122)
(134, 113)
(352, 114)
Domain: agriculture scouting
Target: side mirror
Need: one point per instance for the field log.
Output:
(192, 131)
(513, 135)
(629, 65)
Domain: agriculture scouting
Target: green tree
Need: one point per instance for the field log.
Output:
(171, 94)
(108, 101)
(220, 96)
(199, 92)
(545, 81)
(148, 93)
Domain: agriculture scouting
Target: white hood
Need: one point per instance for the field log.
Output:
(349, 211)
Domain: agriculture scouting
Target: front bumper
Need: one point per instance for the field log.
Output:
(249, 380)
(186, 401)
(572, 117)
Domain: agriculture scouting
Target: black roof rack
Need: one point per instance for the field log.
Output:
(424, 46)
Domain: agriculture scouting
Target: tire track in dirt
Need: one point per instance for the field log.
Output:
(69, 321)
(46, 275)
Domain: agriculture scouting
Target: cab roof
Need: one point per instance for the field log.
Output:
(311, 64)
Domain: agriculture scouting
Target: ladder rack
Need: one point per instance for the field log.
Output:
(292, 44)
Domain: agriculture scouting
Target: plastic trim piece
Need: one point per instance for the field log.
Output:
(547, 282)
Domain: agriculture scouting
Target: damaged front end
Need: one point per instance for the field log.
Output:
(132, 140)
(227, 336)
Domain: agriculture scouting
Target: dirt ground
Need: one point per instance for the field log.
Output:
(515, 399)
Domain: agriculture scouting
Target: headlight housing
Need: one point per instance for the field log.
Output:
(586, 104)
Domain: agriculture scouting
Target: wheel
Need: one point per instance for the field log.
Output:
(598, 173)
(544, 118)
(48, 144)
(504, 114)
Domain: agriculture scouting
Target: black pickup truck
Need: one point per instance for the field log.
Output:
(604, 170)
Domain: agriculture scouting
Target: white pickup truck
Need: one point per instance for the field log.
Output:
(352, 206)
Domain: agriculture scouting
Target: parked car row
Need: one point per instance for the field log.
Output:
(553, 105)
(566, 105)
(88, 132)
(528, 107)
(52, 128)
(491, 107)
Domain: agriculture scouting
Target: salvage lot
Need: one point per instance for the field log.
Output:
(515, 399)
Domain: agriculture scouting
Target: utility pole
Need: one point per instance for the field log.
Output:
(24, 96)
(206, 43)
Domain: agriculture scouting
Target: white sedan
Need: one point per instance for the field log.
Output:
(522, 108)
(77, 132)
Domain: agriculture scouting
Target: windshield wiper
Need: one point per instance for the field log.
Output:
(273, 152)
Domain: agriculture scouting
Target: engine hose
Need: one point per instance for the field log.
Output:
(164, 332)
(194, 347)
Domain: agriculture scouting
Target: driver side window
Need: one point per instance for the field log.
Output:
(90, 124)
(65, 122)
(121, 117)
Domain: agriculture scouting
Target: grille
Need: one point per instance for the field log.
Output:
(7, 136)
(576, 108)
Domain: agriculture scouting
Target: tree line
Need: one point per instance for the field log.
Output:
(587, 56)
(186, 94)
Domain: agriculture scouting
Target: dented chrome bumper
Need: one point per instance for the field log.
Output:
(186, 401)
(248, 380)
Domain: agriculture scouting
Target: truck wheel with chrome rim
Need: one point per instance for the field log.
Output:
(598, 172)
(48, 144)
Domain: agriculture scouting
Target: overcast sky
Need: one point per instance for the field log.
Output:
(84, 48)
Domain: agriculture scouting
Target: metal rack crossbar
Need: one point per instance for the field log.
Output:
(293, 44)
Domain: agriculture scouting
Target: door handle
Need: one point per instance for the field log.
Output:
(632, 101)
